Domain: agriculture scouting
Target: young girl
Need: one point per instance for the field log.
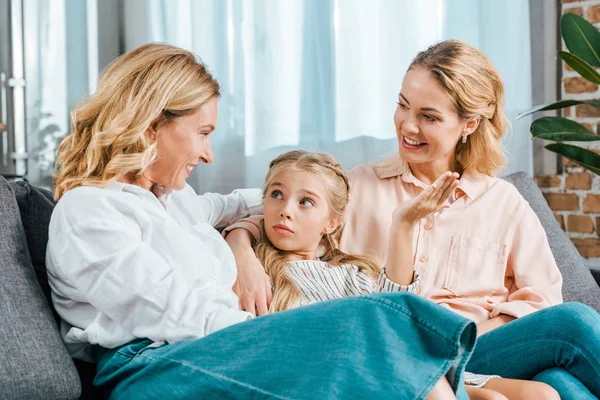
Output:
(305, 198)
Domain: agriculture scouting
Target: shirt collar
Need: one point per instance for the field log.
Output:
(473, 185)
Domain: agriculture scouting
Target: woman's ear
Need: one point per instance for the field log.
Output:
(471, 126)
(151, 133)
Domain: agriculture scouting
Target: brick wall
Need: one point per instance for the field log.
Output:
(574, 196)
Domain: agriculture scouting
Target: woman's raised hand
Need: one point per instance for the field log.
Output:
(429, 201)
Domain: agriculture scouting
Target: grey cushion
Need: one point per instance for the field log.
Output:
(36, 206)
(34, 363)
(579, 285)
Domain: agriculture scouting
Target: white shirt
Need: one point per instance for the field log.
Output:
(122, 265)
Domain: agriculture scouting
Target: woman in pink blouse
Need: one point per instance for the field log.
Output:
(485, 254)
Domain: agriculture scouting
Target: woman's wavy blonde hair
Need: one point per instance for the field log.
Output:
(477, 92)
(322, 165)
(139, 92)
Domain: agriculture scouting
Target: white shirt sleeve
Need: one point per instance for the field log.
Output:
(131, 283)
(221, 210)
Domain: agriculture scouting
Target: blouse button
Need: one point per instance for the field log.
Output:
(428, 226)
(424, 258)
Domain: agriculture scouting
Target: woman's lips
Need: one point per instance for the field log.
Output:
(412, 146)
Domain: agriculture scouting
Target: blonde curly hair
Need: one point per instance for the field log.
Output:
(139, 92)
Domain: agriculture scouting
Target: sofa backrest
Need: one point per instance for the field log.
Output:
(36, 206)
(34, 363)
(578, 283)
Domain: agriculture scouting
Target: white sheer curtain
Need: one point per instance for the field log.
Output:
(47, 86)
(324, 74)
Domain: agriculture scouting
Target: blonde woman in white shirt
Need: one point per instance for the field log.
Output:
(143, 281)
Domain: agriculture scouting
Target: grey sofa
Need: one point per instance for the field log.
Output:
(34, 364)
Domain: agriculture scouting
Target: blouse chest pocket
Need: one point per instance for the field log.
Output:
(475, 267)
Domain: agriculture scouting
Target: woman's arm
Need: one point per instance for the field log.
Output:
(536, 279)
(251, 224)
(104, 260)
(399, 264)
(219, 210)
(252, 285)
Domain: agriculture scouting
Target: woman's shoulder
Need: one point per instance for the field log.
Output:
(388, 166)
(86, 197)
(498, 192)
(95, 203)
(508, 190)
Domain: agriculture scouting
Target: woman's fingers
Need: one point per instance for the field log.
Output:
(447, 184)
(261, 306)
(439, 194)
(448, 191)
(433, 198)
(432, 192)
(269, 291)
(248, 304)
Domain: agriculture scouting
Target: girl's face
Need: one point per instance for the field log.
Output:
(296, 212)
(182, 144)
(427, 123)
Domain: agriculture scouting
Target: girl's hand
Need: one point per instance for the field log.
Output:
(429, 201)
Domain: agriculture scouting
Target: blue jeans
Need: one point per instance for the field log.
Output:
(559, 346)
(389, 345)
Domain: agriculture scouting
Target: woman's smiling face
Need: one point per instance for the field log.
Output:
(427, 123)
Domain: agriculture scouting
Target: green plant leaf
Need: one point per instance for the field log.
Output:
(561, 130)
(578, 64)
(586, 158)
(558, 105)
(581, 38)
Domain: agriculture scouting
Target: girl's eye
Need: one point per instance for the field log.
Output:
(402, 106)
(306, 203)
(276, 194)
(429, 118)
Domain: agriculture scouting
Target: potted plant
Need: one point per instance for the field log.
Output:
(583, 42)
